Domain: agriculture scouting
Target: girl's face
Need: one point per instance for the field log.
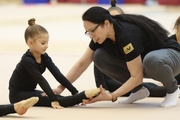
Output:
(40, 44)
(97, 32)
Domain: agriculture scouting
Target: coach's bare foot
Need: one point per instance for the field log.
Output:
(22, 106)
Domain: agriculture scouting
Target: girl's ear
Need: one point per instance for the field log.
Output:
(29, 42)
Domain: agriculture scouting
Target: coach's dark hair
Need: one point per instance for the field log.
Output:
(155, 31)
(97, 15)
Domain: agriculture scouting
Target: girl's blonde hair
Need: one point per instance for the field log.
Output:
(177, 23)
(33, 30)
(115, 8)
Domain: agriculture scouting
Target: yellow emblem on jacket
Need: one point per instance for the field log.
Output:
(128, 48)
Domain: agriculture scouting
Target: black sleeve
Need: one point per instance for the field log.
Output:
(32, 68)
(131, 46)
(59, 76)
(94, 45)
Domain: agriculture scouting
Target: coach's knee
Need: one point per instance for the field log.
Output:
(98, 57)
(152, 63)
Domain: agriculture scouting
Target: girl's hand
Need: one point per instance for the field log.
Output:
(58, 90)
(56, 105)
(43, 94)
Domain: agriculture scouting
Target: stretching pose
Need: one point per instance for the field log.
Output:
(128, 48)
(19, 107)
(111, 85)
(28, 73)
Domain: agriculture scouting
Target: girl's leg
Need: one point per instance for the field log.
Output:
(19, 107)
(64, 101)
(16, 95)
(162, 65)
(7, 109)
(116, 69)
(67, 101)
